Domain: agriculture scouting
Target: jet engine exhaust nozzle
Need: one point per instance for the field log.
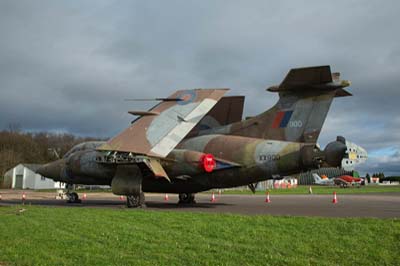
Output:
(208, 163)
(335, 151)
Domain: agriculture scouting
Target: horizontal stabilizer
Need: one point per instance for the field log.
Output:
(143, 113)
(317, 78)
(307, 75)
(155, 99)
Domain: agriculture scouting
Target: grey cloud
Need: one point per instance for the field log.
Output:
(390, 164)
(68, 65)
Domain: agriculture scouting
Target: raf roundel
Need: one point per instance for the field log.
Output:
(187, 97)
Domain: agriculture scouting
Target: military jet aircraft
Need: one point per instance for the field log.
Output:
(182, 146)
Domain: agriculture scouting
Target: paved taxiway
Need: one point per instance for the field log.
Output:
(386, 205)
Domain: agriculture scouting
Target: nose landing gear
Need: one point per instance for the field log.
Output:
(72, 196)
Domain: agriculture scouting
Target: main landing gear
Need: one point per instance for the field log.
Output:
(73, 197)
(186, 198)
(135, 201)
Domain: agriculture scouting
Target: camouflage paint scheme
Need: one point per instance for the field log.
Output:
(163, 150)
(228, 110)
(157, 135)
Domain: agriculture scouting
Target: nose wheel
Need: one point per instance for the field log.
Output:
(186, 198)
(73, 197)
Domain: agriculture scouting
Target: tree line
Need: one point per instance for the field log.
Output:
(23, 147)
(382, 177)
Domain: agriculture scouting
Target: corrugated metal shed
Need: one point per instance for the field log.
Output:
(23, 176)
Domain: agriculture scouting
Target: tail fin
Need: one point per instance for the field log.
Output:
(317, 178)
(228, 110)
(305, 96)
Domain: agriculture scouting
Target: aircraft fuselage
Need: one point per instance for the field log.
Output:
(257, 160)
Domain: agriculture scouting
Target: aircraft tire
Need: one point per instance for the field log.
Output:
(186, 198)
(73, 198)
(135, 201)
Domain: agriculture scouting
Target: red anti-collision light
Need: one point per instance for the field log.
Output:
(208, 162)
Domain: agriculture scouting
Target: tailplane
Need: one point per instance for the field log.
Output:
(305, 96)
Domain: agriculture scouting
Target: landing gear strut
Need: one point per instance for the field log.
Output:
(135, 201)
(72, 196)
(186, 198)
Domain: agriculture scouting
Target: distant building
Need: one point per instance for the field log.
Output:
(284, 183)
(23, 176)
(374, 180)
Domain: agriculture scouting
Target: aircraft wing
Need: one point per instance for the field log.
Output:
(158, 134)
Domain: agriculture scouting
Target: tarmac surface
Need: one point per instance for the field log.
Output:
(382, 205)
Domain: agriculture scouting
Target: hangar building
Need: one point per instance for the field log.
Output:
(23, 176)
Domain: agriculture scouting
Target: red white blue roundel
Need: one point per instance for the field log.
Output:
(186, 97)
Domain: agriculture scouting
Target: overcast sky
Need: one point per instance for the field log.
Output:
(66, 66)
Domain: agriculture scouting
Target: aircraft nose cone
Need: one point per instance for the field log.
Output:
(50, 170)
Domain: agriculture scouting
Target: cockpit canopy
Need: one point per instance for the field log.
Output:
(89, 145)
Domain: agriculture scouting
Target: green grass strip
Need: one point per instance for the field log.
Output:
(84, 236)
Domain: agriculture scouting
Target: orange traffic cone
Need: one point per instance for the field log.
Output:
(84, 196)
(23, 197)
(121, 198)
(212, 197)
(335, 200)
(166, 198)
(267, 200)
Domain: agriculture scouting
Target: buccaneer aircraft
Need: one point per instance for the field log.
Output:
(194, 140)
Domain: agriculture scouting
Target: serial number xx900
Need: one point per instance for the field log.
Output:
(269, 157)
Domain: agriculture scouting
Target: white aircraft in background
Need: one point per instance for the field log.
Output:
(323, 181)
(342, 181)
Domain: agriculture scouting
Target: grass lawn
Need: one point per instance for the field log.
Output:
(323, 190)
(84, 236)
